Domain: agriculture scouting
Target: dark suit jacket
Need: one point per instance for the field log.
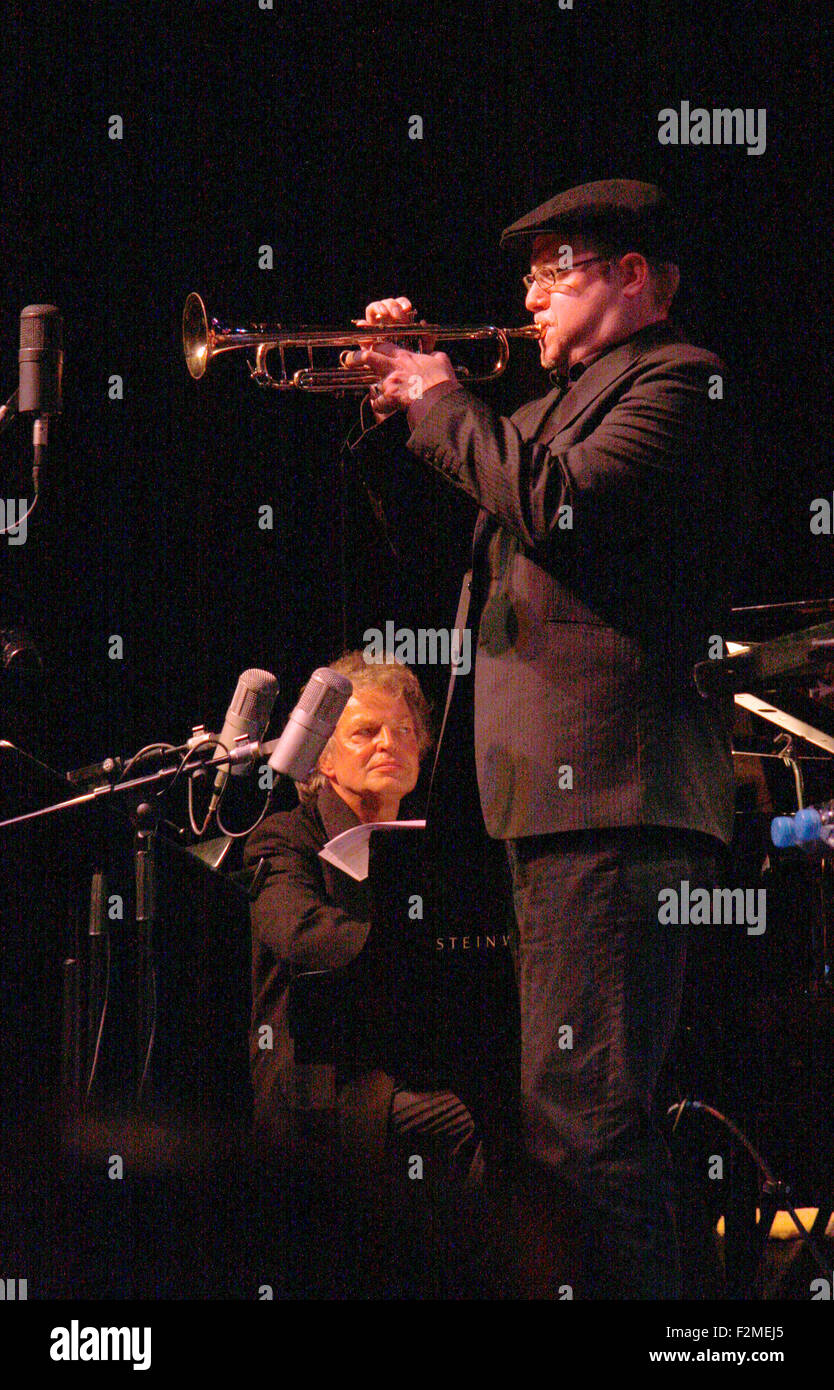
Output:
(587, 634)
(309, 916)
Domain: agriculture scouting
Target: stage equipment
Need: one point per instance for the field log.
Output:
(203, 340)
(756, 1039)
(754, 666)
(166, 998)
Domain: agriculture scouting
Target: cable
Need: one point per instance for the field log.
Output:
(151, 1037)
(212, 740)
(14, 525)
(100, 1033)
(143, 752)
(199, 830)
(350, 444)
(241, 834)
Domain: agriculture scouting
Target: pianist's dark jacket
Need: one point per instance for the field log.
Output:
(310, 916)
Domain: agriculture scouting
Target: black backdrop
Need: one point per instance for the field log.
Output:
(290, 127)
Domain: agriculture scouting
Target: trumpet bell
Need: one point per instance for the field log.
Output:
(195, 336)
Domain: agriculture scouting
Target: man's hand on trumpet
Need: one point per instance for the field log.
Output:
(404, 377)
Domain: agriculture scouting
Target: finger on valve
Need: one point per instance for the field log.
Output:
(380, 313)
(385, 311)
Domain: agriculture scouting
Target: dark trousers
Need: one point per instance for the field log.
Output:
(600, 982)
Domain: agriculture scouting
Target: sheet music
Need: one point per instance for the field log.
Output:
(349, 851)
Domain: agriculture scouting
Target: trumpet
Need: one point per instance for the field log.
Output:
(203, 340)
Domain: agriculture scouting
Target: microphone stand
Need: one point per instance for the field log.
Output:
(146, 819)
(114, 789)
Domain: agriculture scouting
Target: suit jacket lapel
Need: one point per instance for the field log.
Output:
(548, 416)
(602, 374)
(335, 813)
(529, 418)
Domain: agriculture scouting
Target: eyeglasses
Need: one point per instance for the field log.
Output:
(547, 277)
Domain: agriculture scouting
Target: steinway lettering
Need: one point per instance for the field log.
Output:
(471, 943)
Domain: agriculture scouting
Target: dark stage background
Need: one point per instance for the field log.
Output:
(289, 127)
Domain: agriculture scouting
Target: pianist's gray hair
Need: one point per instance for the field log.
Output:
(396, 679)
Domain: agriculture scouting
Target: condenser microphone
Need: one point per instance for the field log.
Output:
(311, 724)
(41, 365)
(247, 717)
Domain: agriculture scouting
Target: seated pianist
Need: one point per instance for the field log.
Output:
(312, 917)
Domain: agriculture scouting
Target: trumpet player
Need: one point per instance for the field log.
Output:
(598, 579)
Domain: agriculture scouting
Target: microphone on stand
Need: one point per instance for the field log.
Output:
(41, 365)
(247, 717)
(310, 725)
(305, 734)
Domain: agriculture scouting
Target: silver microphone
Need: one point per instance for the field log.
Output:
(311, 724)
(247, 717)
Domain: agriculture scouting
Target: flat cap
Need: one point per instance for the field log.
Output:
(639, 215)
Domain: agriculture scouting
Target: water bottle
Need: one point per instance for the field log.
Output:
(805, 829)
